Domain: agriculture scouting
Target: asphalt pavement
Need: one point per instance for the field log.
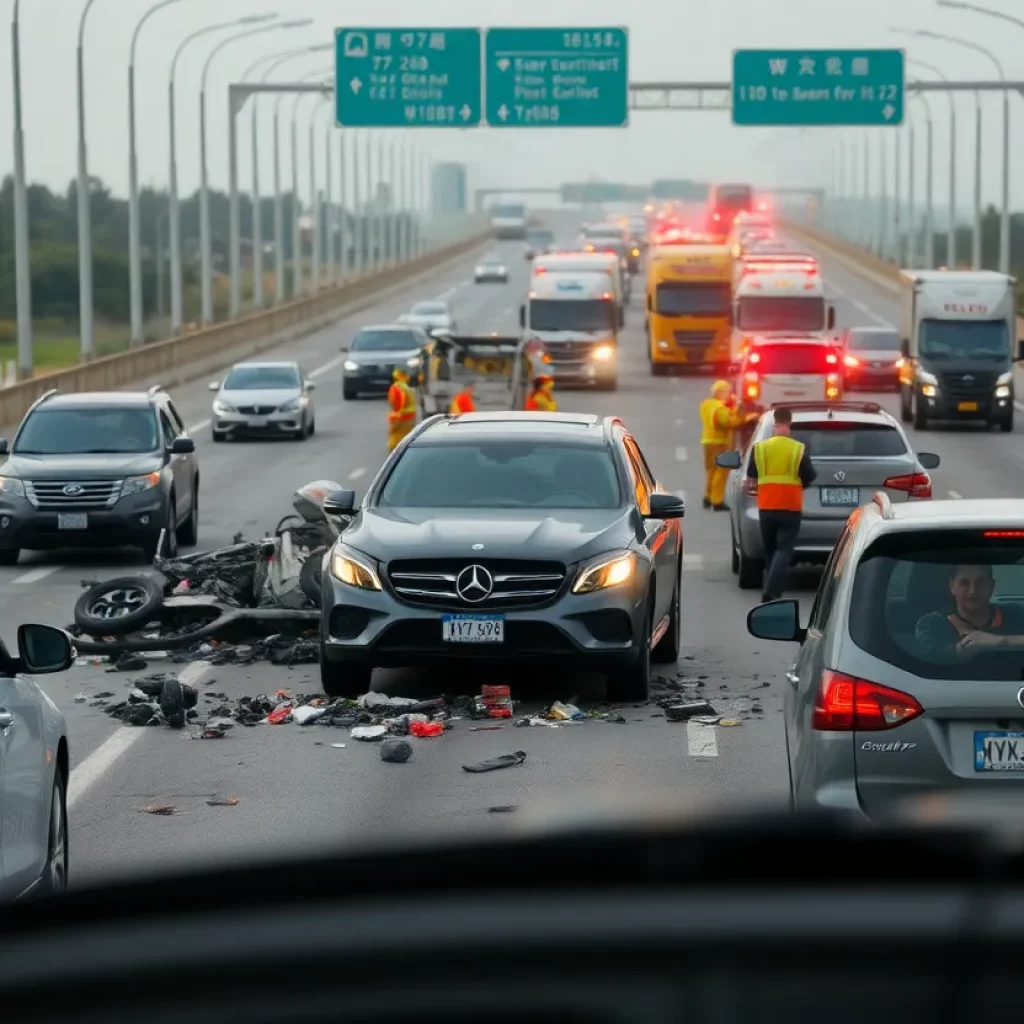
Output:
(295, 788)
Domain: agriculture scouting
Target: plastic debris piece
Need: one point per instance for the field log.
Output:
(369, 733)
(491, 764)
(426, 729)
(128, 661)
(683, 712)
(486, 728)
(729, 722)
(495, 701)
(222, 801)
(80, 698)
(338, 746)
(373, 701)
(396, 751)
(502, 809)
(279, 714)
(306, 714)
(565, 712)
(162, 809)
(211, 734)
(706, 719)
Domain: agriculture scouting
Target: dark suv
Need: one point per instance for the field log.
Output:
(101, 469)
(506, 536)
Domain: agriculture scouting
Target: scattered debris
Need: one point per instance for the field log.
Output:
(80, 698)
(491, 764)
(729, 722)
(338, 746)
(426, 729)
(565, 712)
(683, 712)
(494, 702)
(164, 810)
(222, 801)
(396, 751)
(502, 809)
(129, 662)
(369, 733)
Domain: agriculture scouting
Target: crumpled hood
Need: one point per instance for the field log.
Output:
(81, 467)
(561, 535)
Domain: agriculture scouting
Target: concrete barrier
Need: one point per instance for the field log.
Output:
(184, 358)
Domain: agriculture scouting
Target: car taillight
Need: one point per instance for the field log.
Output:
(846, 704)
(917, 485)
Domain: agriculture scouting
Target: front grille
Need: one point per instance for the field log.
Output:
(69, 494)
(256, 410)
(979, 385)
(570, 351)
(696, 339)
(435, 583)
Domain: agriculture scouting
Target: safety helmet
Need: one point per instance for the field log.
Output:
(720, 387)
(399, 374)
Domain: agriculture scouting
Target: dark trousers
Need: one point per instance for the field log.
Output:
(778, 536)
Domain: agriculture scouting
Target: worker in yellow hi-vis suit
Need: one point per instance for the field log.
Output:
(720, 417)
(402, 403)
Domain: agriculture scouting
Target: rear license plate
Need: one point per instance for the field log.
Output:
(967, 407)
(72, 521)
(837, 496)
(473, 629)
(256, 421)
(999, 751)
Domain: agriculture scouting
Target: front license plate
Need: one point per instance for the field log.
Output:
(838, 496)
(999, 751)
(72, 521)
(967, 407)
(256, 421)
(473, 629)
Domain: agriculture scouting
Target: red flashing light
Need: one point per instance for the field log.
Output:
(917, 485)
(755, 357)
(1003, 534)
(846, 704)
(832, 359)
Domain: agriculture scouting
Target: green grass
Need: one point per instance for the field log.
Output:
(56, 345)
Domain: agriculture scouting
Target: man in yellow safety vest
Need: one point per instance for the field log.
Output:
(402, 403)
(542, 397)
(719, 418)
(782, 468)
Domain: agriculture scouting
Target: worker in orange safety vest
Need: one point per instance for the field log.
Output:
(542, 397)
(402, 401)
(462, 401)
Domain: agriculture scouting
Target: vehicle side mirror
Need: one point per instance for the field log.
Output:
(728, 460)
(5, 446)
(343, 348)
(44, 649)
(340, 503)
(666, 506)
(522, 316)
(928, 460)
(831, 317)
(183, 446)
(214, 385)
(309, 385)
(776, 620)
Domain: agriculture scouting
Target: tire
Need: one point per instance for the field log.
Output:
(9, 556)
(310, 576)
(188, 532)
(735, 559)
(219, 438)
(344, 679)
(118, 606)
(312, 426)
(349, 394)
(54, 879)
(920, 415)
(632, 684)
(667, 650)
(172, 704)
(1006, 423)
(750, 571)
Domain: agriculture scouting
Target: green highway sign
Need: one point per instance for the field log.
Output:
(408, 77)
(557, 77)
(807, 88)
(602, 192)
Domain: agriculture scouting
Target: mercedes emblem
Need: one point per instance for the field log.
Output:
(474, 584)
(840, 476)
(967, 378)
(1020, 696)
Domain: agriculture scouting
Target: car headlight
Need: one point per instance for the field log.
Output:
(414, 363)
(924, 377)
(1004, 378)
(12, 486)
(349, 366)
(603, 353)
(608, 571)
(138, 484)
(347, 568)
(294, 405)
(221, 407)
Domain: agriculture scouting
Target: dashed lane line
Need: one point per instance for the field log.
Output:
(37, 574)
(681, 454)
(103, 758)
(701, 740)
(357, 473)
(956, 495)
(693, 563)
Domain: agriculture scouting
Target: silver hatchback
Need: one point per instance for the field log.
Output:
(856, 447)
(908, 680)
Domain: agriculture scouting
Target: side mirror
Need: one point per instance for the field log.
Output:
(928, 460)
(666, 506)
(776, 620)
(831, 317)
(214, 385)
(309, 385)
(522, 316)
(5, 446)
(343, 348)
(183, 446)
(728, 460)
(44, 649)
(340, 503)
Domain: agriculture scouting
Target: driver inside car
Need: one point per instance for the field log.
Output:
(976, 624)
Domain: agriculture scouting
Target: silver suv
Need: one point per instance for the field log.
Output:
(909, 676)
(856, 447)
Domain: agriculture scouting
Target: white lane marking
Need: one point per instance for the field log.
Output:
(35, 575)
(196, 427)
(956, 495)
(681, 454)
(446, 295)
(857, 304)
(327, 367)
(106, 754)
(693, 563)
(701, 740)
(679, 422)
(357, 473)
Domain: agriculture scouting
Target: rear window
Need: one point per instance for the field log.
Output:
(834, 439)
(793, 358)
(916, 596)
(503, 474)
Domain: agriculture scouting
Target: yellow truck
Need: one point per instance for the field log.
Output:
(689, 307)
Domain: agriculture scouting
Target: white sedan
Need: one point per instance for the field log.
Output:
(34, 767)
(431, 316)
(490, 270)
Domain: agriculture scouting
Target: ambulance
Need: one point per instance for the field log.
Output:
(574, 315)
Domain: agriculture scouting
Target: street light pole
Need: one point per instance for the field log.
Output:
(976, 239)
(22, 268)
(911, 190)
(134, 227)
(85, 305)
(929, 168)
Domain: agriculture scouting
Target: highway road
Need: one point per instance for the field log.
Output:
(294, 788)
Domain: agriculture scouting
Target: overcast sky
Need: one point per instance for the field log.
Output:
(669, 40)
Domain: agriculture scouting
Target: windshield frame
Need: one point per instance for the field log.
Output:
(147, 410)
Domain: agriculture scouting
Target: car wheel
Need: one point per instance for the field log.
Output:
(349, 394)
(735, 559)
(750, 571)
(302, 433)
(920, 414)
(344, 679)
(667, 650)
(312, 426)
(188, 532)
(1006, 423)
(118, 606)
(54, 880)
(9, 556)
(219, 438)
(633, 683)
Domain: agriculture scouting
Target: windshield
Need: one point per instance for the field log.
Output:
(964, 339)
(761, 313)
(696, 299)
(503, 474)
(386, 341)
(85, 431)
(261, 378)
(834, 439)
(874, 341)
(572, 315)
(793, 357)
(509, 211)
(913, 593)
